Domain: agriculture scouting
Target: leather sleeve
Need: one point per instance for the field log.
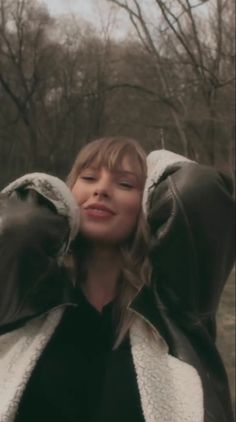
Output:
(32, 279)
(191, 218)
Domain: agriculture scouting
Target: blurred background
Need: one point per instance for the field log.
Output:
(159, 71)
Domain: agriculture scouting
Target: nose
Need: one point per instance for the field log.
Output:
(103, 186)
(101, 192)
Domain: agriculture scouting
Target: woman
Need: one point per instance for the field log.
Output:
(122, 326)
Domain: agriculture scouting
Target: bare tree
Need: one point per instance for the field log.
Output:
(137, 17)
(24, 52)
(184, 36)
(62, 83)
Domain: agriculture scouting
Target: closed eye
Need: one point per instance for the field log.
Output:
(125, 184)
(88, 178)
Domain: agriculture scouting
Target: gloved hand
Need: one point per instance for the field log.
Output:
(190, 212)
(49, 191)
(25, 223)
(38, 220)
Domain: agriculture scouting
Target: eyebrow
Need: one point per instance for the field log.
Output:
(125, 172)
(121, 172)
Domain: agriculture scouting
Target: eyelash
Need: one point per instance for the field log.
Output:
(88, 178)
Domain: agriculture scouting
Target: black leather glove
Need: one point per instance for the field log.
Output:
(191, 218)
(33, 240)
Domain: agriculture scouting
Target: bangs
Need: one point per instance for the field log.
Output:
(109, 153)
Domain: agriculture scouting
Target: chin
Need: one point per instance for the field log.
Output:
(104, 234)
(103, 238)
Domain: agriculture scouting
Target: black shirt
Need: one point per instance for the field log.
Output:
(79, 377)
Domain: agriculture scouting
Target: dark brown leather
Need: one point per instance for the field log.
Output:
(192, 249)
(191, 220)
(32, 281)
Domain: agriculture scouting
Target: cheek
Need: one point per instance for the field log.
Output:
(129, 219)
(132, 208)
(79, 193)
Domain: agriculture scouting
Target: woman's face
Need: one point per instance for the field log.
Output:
(110, 202)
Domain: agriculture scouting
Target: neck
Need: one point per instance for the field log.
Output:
(104, 267)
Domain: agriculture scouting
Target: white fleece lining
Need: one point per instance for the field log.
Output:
(19, 351)
(170, 390)
(157, 163)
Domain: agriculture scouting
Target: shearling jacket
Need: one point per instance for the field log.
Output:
(190, 212)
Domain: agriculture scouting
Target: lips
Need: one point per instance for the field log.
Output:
(98, 211)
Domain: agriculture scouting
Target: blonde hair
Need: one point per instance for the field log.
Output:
(109, 152)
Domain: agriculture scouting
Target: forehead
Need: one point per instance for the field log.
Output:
(126, 166)
(124, 162)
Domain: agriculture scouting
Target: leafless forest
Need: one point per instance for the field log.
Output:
(170, 84)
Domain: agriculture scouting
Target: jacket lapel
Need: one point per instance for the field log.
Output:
(170, 389)
(19, 352)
